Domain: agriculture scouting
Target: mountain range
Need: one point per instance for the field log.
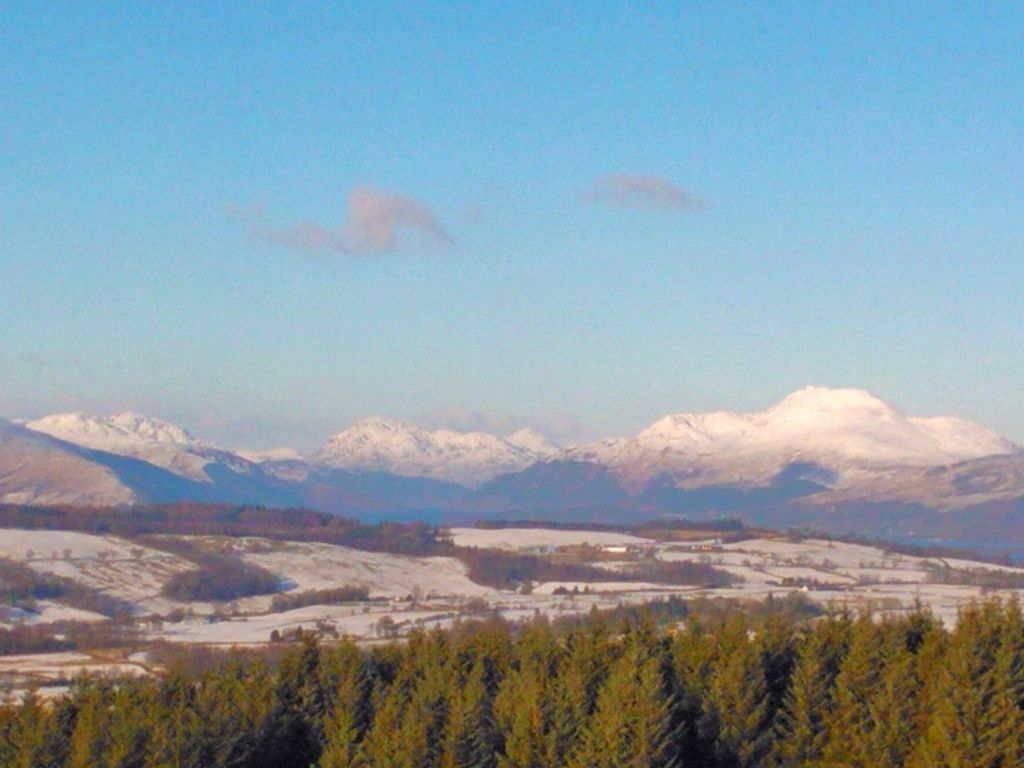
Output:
(840, 460)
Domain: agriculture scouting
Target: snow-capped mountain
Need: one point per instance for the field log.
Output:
(849, 432)
(833, 459)
(116, 433)
(37, 469)
(531, 440)
(400, 448)
(142, 437)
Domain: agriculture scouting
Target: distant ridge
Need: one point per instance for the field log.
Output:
(850, 432)
(398, 447)
(836, 459)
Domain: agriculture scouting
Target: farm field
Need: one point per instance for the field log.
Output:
(399, 593)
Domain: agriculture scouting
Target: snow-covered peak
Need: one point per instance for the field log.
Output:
(697, 431)
(845, 430)
(821, 404)
(36, 469)
(388, 445)
(532, 440)
(112, 433)
(130, 434)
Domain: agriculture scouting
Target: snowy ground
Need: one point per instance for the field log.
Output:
(47, 612)
(312, 566)
(823, 571)
(48, 674)
(538, 538)
(122, 569)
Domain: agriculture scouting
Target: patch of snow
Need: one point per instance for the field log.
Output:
(120, 568)
(598, 587)
(49, 612)
(255, 630)
(57, 667)
(536, 538)
(314, 566)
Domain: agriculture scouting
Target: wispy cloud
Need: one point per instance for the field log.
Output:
(307, 236)
(640, 190)
(377, 222)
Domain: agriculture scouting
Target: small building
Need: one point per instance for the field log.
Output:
(714, 545)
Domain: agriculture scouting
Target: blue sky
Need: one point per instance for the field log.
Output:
(268, 220)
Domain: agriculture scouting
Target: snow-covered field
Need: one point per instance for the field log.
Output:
(427, 592)
(538, 538)
(313, 566)
(122, 569)
(48, 674)
(823, 571)
(48, 612)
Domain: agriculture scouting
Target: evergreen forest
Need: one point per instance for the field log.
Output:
(610, 691)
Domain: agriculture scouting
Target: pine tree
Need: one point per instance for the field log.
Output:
(88, 739)
(176, 727)
(342, 734)
(580, 676)
(413, 746)
(890, 731)
(292, 732)
(778, 656)
(27, 736)
(1002, 735)
(523, 715)
(692, 661)
(631, 726)
(344, 726)
(472, 735)
(380, 747)
(737, 714)
(405, 731)
(962, 694)
(128, 730)
(850, 719)
(232, 702)
(803, 726)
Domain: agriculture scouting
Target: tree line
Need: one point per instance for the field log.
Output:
(194, 519)
(21, 587)
(513, 570)
(843, 690)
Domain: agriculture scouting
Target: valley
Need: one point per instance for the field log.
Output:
(336, 591)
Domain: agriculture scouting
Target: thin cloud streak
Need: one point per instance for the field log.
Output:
(377, 222)
(639, 190)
